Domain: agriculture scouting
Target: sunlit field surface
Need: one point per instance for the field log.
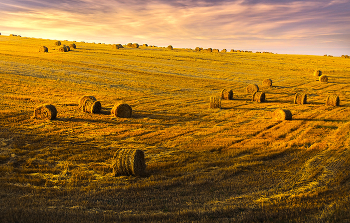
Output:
(234, 164)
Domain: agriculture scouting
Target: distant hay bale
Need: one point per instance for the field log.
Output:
(170, 47)
(267, 83)
(332, 100)
(258, 97)
(73, 46)
(118, 46)
(317, 73)
(45, 111)
(251, 88)
(43, 49)
(89, 104)
(129, 162)
(129, 44)
(323, 78)
(67, 47)
(135, 45)
(216, 51)
(300, 98)
(122, 110)
(232, 50)
(227, 94)
(63, 49)
(209, 50)
(282, 114)
(81, 100)
(198, 49)
(223, 51)
(58, 43)
(215, 102)
(145, 45)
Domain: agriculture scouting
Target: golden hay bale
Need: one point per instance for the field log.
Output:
(258, 97)
(323, 78)
(227, 94)
(45, 111)
(300, 98)
(317, 73)
(267, 83)
(209, 50)
(58, 43)
(135, 45)
(215, 102)
(73, 46)
(122, 110)
(283, 114)
(43, 49)
(332, 100)
(82, 100)
(129, 162)
(62, 49)
(170, 47)
(67, 47)
(251, 88)
(223, 51)
(215, 51)
(118, 46)
(89, 104)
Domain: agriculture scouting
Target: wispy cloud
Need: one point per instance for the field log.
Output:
(209, 23)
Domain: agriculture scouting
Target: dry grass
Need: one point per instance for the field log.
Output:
(235, 164)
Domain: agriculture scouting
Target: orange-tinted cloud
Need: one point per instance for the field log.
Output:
(313, 27)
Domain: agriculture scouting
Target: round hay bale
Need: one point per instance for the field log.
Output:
(227, 94)
(129, 162)
(282, 114)
(82, 100)
(224, 51)
(62, 49)
(73, 46)
(58, 43)
(215, 102)
(122, 110)
(251, 88)
(317, 73)
(135, 45)
(43, 49)
(332, 100)
(323, 78)
(267, 83)
(91, 106)
(45, 111)
(258, 97)
(300, 98)
(215, 51)
(170, 47)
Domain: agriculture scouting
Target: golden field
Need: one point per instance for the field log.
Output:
(234, 164)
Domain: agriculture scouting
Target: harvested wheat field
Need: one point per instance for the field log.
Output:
(237, 163)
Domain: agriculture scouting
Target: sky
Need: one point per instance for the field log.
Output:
(312, 27)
